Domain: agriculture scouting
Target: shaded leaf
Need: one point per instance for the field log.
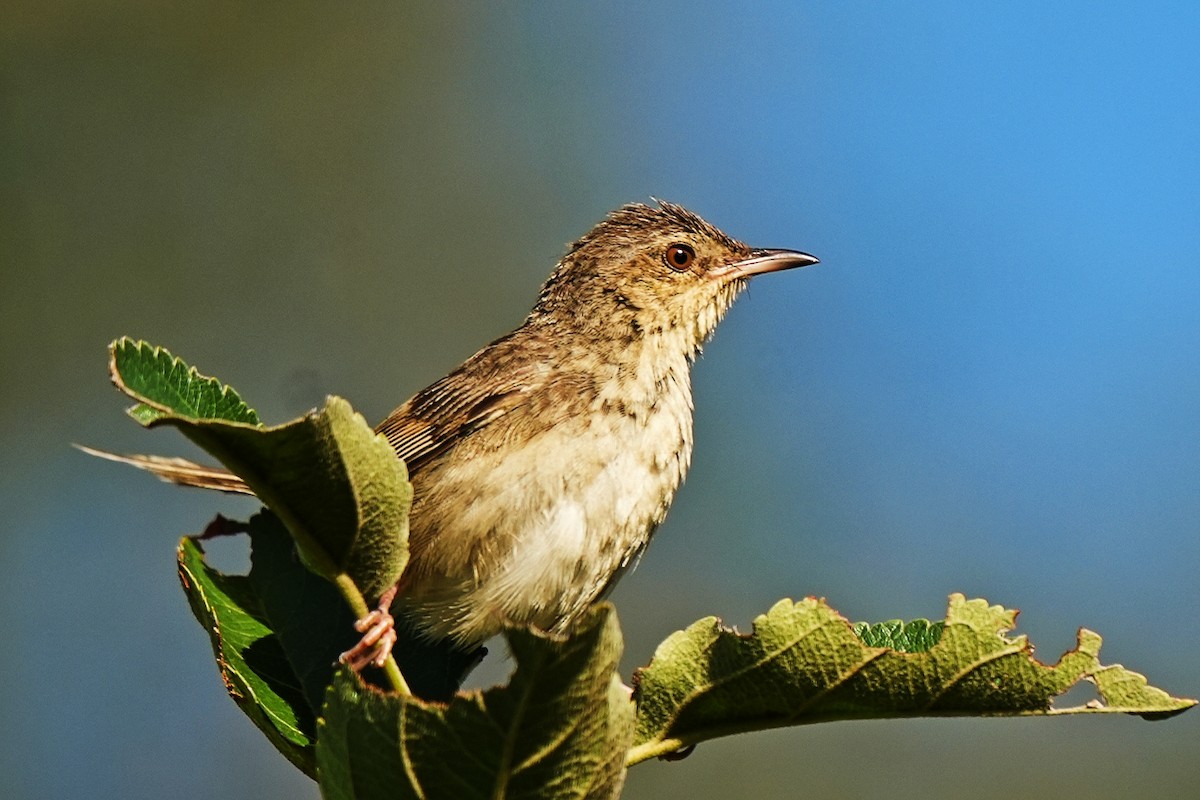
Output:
(277, 633)
(308, 617)
(314, 624)
(253, 666)
(803, 663)
(559, 729)
(338, 487)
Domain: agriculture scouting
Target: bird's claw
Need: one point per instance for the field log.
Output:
(378, 630)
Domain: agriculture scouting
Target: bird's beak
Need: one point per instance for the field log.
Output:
(761, 261)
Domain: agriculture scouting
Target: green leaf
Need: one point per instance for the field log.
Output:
(559, 729)
(277, 633)
(305, 613)
(915, 636)
(253, 665)
(166, 385)
(803, 663)
(338, 487)
(314, 624)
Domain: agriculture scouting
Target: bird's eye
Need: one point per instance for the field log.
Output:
(679, 256)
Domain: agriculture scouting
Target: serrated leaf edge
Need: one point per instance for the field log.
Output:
(1087, 647)
(156, 353)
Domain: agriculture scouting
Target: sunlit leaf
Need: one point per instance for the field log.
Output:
(165, 384)
(803, 663)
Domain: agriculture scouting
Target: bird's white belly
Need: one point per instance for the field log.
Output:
(541, 530)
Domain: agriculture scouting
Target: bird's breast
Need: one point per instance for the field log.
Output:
(531, 524)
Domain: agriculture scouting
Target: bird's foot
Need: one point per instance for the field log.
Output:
(378, 630)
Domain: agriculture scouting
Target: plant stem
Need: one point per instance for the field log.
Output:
(651, 749)
(310, 549)
(358, 605)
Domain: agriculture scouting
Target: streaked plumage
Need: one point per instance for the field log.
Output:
(543, 464)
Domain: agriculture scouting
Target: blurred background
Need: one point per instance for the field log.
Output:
(989, 385)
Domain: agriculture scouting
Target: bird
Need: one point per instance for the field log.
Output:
(542, 466)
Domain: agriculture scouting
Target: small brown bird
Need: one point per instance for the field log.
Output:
(544, 463)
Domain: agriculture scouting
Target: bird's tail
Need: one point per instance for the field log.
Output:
(179, 471)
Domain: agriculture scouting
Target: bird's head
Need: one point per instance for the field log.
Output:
(647, 271)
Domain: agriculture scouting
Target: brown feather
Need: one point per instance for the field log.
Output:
(443, 414)
(178, 470)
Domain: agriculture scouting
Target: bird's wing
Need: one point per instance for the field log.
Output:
(455, 407)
